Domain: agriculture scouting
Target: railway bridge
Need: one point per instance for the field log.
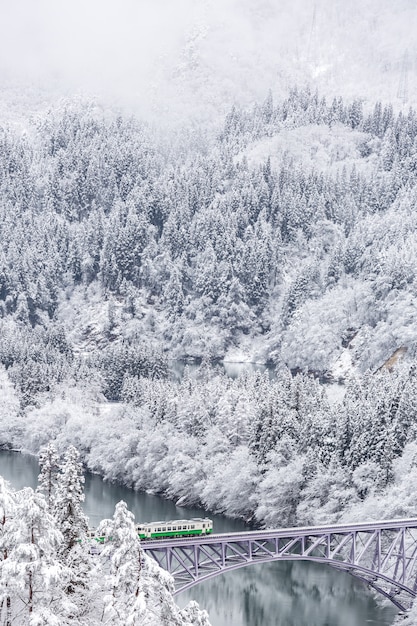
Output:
(381, 554)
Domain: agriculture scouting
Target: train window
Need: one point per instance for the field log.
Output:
(204, 525)
(174, 528)
(169, 528)
(164, 529)
(184, 527)
(192, 527)
(158, 530)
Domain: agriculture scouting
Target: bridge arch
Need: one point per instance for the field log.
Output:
(365, 575)
(383, 555)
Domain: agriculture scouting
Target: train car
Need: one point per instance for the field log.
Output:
(175, 528)
(160, 530)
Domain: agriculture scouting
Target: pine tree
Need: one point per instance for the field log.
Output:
(73, 524)
(7, 512)
(404, 423)
(173, 294)
(71, 519)
(125, 602)
(48, 477)
(32, 575)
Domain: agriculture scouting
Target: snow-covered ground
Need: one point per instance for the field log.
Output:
(322, 147)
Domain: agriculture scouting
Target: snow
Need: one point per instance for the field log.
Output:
(320, 146)
(335, 392)
(250, 350)
(236, 355)
(343, 366)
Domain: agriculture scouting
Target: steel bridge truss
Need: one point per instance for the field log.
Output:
(383, 554)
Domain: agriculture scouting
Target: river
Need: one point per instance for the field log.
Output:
(274, 594)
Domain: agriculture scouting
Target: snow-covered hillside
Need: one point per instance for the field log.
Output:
(278, 238)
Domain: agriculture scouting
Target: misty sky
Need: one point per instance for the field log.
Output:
(202, 55)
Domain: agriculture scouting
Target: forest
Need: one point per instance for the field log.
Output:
(286, 238)
(53, 573)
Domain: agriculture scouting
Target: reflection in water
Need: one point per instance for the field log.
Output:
(270, 594)
(101, 498)
(21, 470)
(288, 594)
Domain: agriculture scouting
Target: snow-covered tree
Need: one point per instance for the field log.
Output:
(125, 602)
(7, 512)
(68, 511)
(48, 479)
(32, 577)
(73, 524)
(136, 590)
(10, 424)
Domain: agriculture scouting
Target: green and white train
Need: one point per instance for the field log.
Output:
(175, 528)
(163, 530)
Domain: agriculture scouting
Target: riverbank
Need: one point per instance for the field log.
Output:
(269, 452)
(275, 594)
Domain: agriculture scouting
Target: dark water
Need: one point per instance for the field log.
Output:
(274, 594)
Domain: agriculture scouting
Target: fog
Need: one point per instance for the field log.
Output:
(90, 43)
(193, 58)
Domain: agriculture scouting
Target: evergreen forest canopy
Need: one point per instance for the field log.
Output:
(202, 253)
(288, 236)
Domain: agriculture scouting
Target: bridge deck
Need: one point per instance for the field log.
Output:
(296, 531)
